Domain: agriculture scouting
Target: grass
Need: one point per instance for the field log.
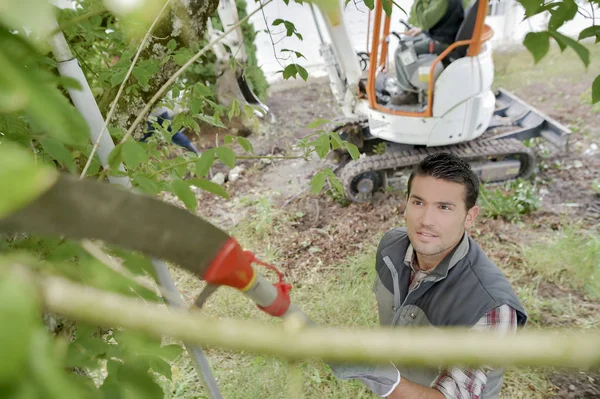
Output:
(571, 258)
(514, 69)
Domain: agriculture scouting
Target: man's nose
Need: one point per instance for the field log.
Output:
(427, 217)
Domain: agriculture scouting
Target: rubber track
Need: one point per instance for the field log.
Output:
(470, 151)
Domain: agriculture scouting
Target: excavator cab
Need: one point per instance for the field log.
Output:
(411, 68)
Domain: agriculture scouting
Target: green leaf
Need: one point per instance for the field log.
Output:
(335, 182)
(136, 263)
(297, 53)
(170, 352)
(249, 111)
(290, 71)
(117, 173)
(322, 145)
(57, 150)
(182, 56)
(202, 90)
(19, 317)
(21, 180)
(134, 153)
(145, 184)
(290, 28)
(47, 369)
(245, 144)
(387, 7)
(36, 16)
(234, 110)
(226, 155)
(204, 163)
(142, 75)
(136, 383)
(592, 31)
(370, 4)
(277, 22)
(68, 82)
(210, 186)
(183, 192)
(212, 120)
(352, 150)
(532, 7)
(195, 105)
(117, 77)
(14, 128)
(336, 141)
(317, 123)
(302, 72)
(564, 41)
(538, 44)
(46, 107)
(172, 45)
(87, 348)
(160, 366)
(317, 182)
(115, 157)
(565, 11)
(596, 90)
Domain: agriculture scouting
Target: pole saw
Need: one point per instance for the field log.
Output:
(87, 209)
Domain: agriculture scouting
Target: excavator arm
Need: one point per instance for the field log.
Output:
(231, 81)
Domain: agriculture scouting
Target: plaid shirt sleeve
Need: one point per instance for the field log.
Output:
(469, 383)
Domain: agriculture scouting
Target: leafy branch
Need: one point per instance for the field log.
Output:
(422, 346)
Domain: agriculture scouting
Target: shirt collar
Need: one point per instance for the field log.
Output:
(458, 253)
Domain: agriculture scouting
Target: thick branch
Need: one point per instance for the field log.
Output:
(87, 209)
(415, 347)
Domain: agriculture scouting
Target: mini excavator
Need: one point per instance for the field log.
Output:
(456, 110)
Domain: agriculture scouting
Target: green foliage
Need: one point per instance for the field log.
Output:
(560, 12)
(21, 180)
(515, 198)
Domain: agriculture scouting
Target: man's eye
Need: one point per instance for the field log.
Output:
(417, 202)
(445, 207)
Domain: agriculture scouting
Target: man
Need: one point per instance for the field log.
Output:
(437, 19)
(431, 273)
(435, 26)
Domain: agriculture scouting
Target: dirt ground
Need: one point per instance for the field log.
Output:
(321, 232)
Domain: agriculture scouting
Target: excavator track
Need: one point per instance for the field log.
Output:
(493, 160)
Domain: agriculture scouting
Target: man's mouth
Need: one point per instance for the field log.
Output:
(426, 234)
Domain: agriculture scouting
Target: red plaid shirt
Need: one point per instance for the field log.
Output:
(466, 383)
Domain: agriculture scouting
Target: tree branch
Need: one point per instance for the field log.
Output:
(411, 347)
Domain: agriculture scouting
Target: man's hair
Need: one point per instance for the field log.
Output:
(449, 167)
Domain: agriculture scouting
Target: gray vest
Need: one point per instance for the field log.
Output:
(458, 292)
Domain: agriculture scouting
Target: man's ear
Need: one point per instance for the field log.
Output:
(471, 215)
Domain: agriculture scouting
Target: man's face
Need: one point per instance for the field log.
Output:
(436, 215)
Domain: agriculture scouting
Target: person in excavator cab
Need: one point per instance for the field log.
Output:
(435, 24)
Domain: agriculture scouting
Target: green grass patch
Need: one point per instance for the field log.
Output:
(514, 69)
(570, 258)
(510, 201)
